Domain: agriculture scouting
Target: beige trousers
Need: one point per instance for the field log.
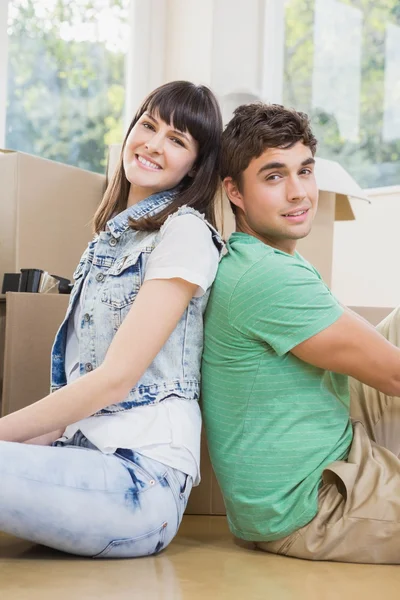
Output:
(358, 516)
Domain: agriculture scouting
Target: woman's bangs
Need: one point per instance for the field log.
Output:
(181, 111)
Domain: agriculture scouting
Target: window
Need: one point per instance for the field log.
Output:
(66, 78)
(342, 67)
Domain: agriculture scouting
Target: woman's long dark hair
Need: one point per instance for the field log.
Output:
(187, 107)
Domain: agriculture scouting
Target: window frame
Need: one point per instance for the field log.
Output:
(147, 23)
(3, 69)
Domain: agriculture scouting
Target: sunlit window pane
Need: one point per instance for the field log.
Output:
(342, 67)
(66, 78)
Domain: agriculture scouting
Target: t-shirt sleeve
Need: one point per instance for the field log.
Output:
(282, 301)
(185, 250)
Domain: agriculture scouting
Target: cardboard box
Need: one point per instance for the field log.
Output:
(365, 252)
(46, 210)
(206, 499)
(2, 339)
(31, 323)
(372, 314)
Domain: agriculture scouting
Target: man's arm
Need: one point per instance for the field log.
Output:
(353, 347)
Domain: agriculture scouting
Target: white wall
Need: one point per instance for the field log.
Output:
(366, 266)
(189, 43)
(231, 45)
(145, 69)
(236, 64)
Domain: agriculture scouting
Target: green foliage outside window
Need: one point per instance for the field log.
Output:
(371, 159)
(66, 79)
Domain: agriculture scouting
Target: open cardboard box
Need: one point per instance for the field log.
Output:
(31, 323)
(46, 210)
(337, 191)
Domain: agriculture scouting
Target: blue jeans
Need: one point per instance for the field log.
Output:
(71, 497)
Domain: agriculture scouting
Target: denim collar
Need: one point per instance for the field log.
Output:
(151, 205)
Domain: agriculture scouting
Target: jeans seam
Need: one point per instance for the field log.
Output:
(175, 493)
(62, 485)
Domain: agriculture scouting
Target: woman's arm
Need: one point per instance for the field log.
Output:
(154, 315)
(47, 439)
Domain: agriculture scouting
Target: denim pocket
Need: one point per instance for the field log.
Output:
(123, 281)
(143, 545)
(181, 486)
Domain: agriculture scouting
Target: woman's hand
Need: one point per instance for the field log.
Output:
(154, 315)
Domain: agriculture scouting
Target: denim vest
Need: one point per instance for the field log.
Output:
(114, 265)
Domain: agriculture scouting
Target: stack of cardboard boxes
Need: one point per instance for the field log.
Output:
(46, 209)
(45, 222)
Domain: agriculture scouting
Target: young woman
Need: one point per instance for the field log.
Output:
(110, 456)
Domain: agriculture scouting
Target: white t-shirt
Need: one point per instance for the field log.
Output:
(169, 431)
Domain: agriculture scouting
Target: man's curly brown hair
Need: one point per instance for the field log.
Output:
(257, 127)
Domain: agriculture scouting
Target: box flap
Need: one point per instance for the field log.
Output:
(343, 208)
(332, 177)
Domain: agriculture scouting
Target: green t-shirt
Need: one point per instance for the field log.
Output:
(273, 421)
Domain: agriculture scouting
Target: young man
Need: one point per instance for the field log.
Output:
(284, 363)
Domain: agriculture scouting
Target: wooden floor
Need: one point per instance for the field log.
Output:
(202, 563)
